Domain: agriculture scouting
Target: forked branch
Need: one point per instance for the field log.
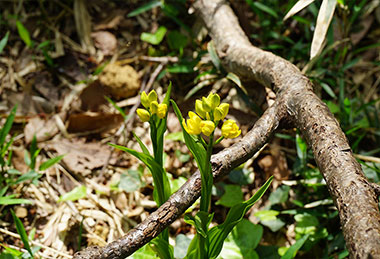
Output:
(353, 195)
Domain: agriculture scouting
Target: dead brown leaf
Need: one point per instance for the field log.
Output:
(93, 122)
(43, 129)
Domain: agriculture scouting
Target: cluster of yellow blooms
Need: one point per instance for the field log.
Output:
(149, 101)
(210, 111)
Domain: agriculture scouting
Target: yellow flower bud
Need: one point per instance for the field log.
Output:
(214, 100)
(207, 127)
(199, 109)
(230, 129)
(161, 111)
(221, 111)
(154, 107)
(152, 96)
(143, 114)
(193, 125)
(144, 100)
(206, 104)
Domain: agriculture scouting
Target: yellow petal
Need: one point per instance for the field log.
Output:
(154, 107)
(207, 127)
(199, 109)
(144, 100)
(152, 96)
(206, 104)
(143, 114)
(214, 100)
(161, 111)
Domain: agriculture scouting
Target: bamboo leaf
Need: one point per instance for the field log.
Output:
(24, 34)
(145, 7)
(324, 18)
(21, 231)
(301, 4)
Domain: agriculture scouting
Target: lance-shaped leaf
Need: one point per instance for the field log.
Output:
(218, 234)
(301, 4)
(324, 18)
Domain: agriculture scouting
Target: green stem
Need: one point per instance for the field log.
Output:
(219, 140)
(206, 178)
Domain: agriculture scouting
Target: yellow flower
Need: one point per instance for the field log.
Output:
(207, 127)
(154, 107)
(161, 111)
(221, 111)
(147, 99)
(143, 114)
(206, 104)
(193, 125)
(199, 109)
(230, 129)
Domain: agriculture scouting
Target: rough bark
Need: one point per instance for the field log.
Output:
(353, 195)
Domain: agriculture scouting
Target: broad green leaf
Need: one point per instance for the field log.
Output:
(176, 40)
(162, 248)
(306, 223)
(4, 41)
(267, 214)
(182, 243)
(301, 4)
(21, 231)
(218, 234)
(154, 38)
(145, 7)
(232, 196)
(274, 225)
(280, 195)
(145, 252)
(77, 193)
(24, 34)
(130, 181)
(177, 183)
(325, 15)
(7, 126)
(50, 162)
(292, 251)
(158, 173)
(241, 176)
(184, 67)
(10, 200)
(175, 136)
(247, 235)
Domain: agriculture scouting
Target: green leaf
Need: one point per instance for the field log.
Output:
(280, 195)
(234, 78)
(328, 90)
(176, 40)
(162, 247)
(195, 147)
(175, 136)
(214, 56)
(77, 193)
(130, 181)
(142, 145)
(145, 7)
(4, 41)
(177, 183)
(292, 251)
(267, 214)
(50, 162)
(154, 38)
(247, 235)
(218, 234)
(182, 243)
(21, 231)
(24, 34)
(265, 8)
(10, 200)
(31, 175)
(7, 126)
(232, 196)
(116, 107)
(274, 225)
(158, 173)
(12, 253)
(201, 221)
(145, 252)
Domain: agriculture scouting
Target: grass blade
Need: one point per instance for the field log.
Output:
(21, 231)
